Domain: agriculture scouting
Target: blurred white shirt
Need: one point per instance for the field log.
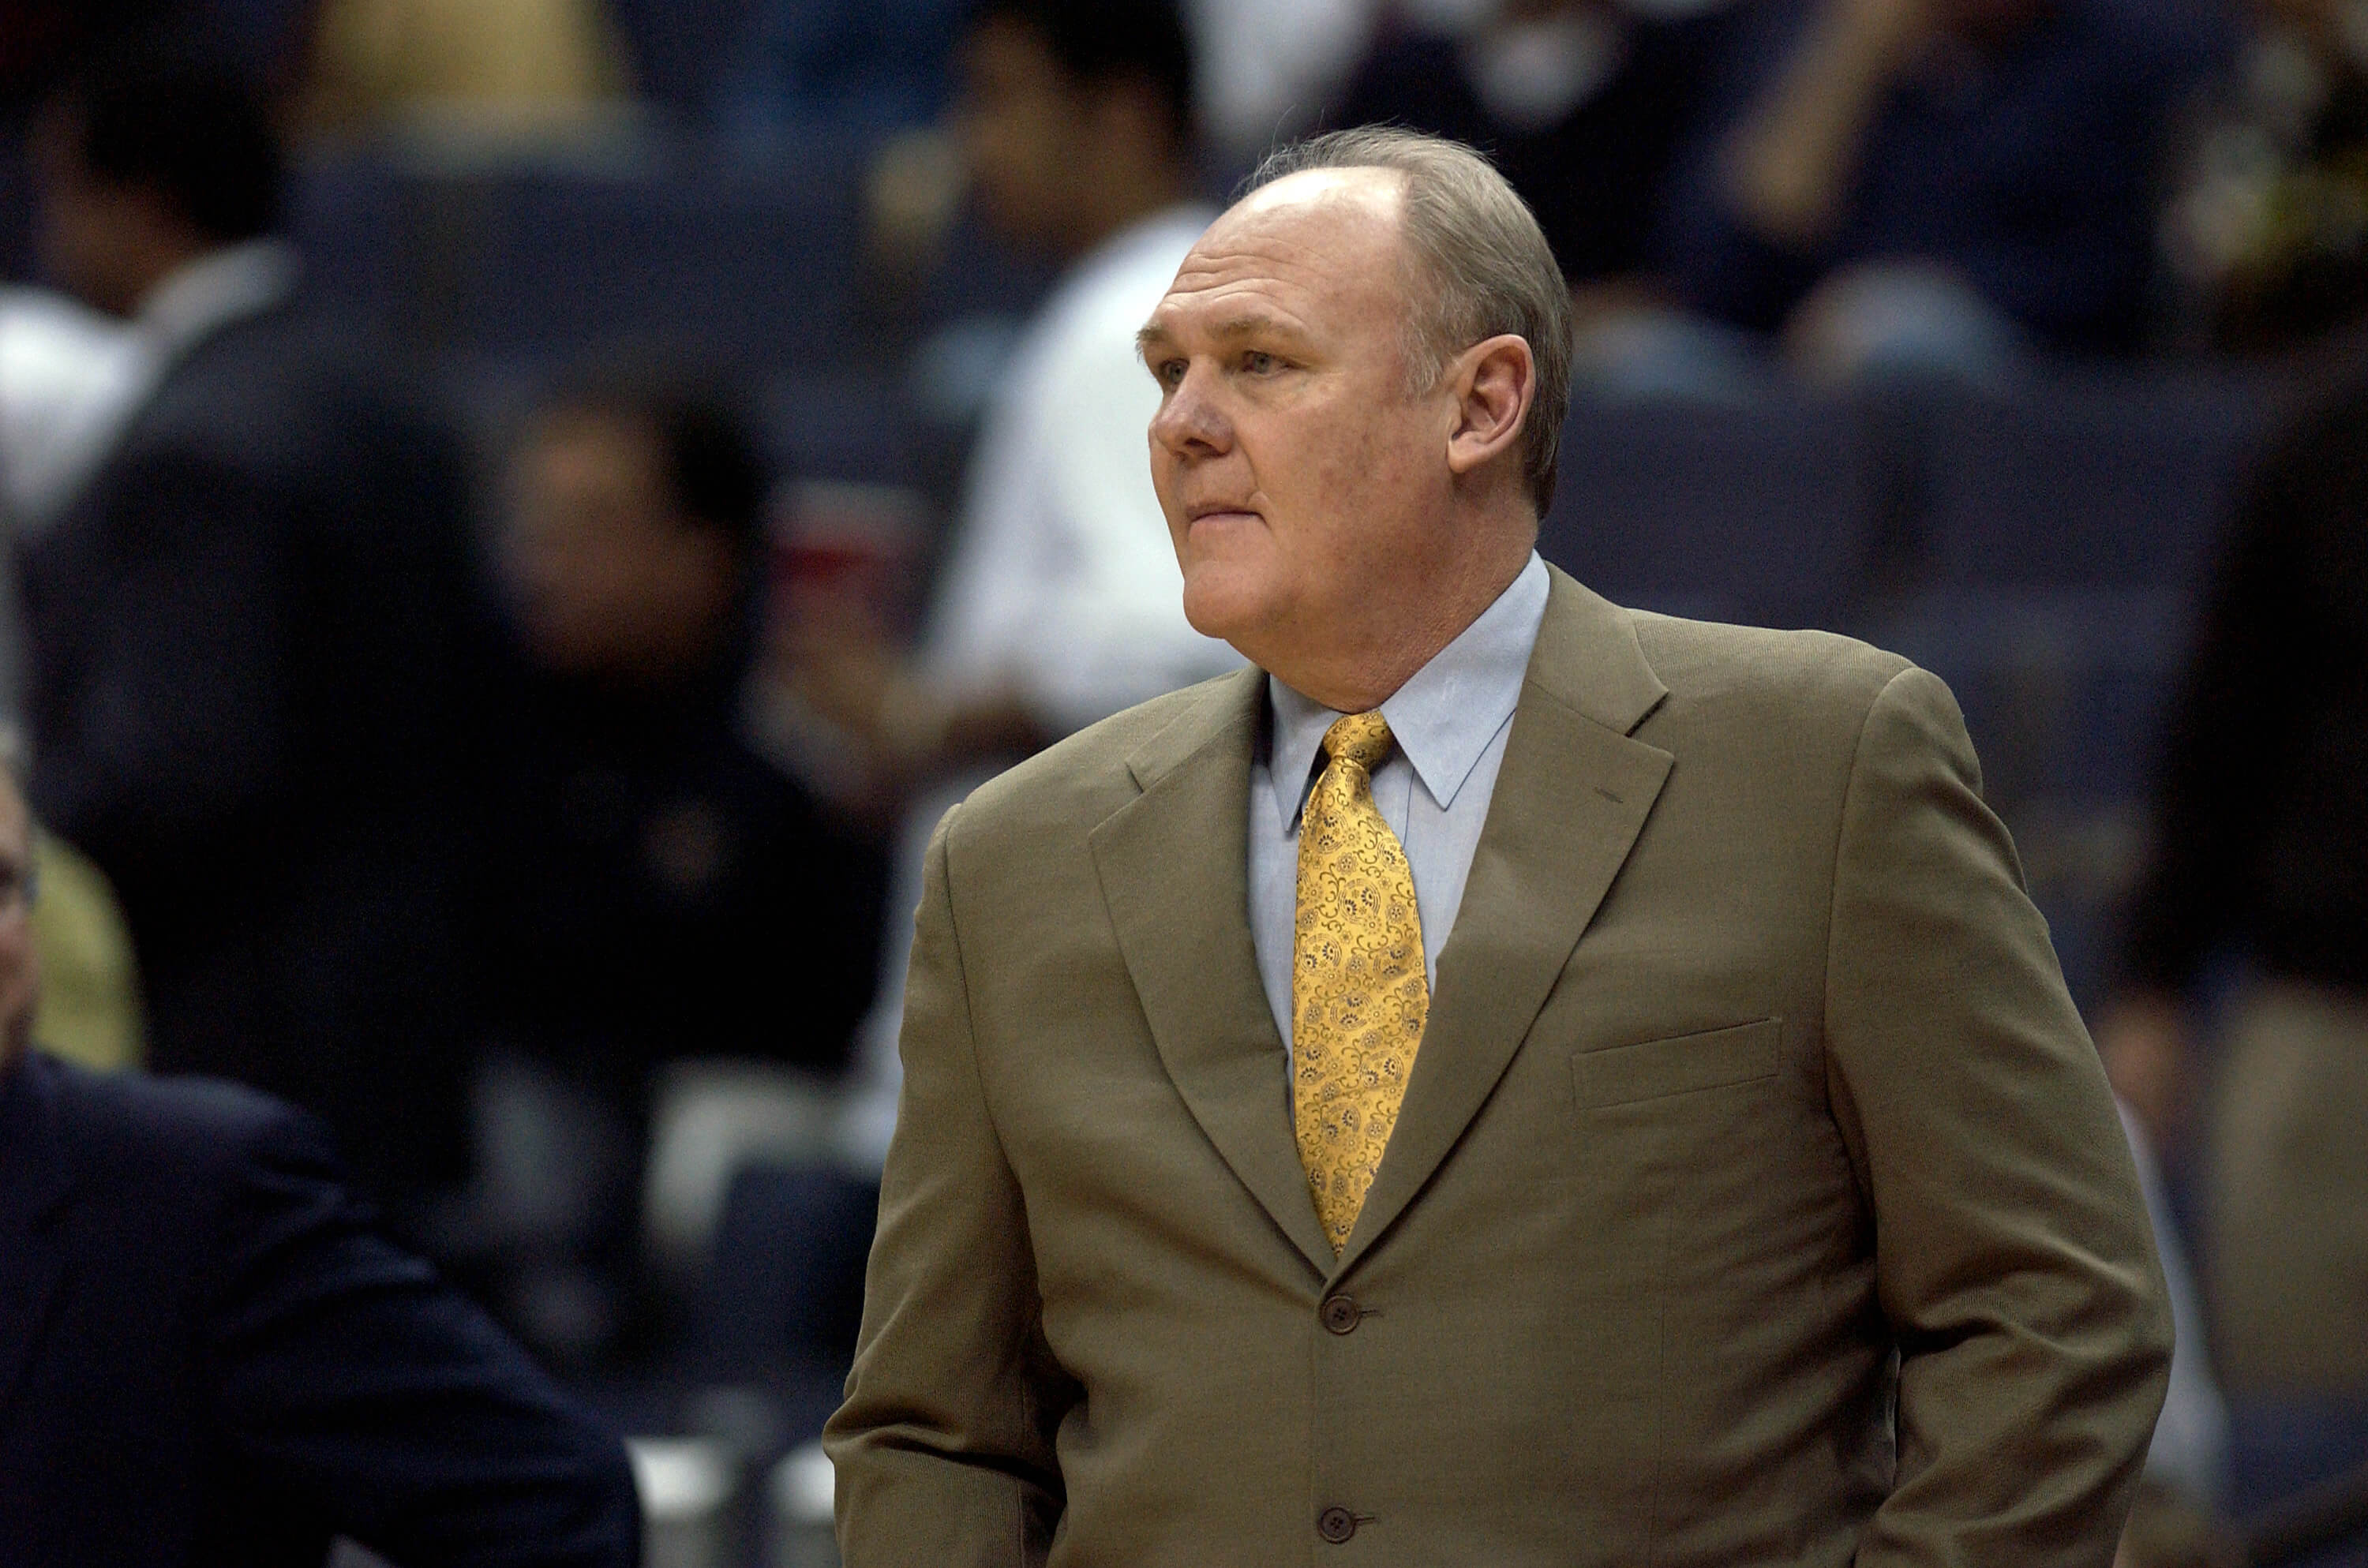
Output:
(68, 378)
(1061, 585)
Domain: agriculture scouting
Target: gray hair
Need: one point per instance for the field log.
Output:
(1479, 247)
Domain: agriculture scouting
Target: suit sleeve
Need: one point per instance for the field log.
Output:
(354, 1389)
(944, 1447)
(2014, 1260)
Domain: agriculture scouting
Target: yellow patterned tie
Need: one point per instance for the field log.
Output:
(1358, 994)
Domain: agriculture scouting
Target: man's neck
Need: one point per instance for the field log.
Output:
(1360, 679)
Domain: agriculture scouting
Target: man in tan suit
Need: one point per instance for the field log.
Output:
(1509, 1081)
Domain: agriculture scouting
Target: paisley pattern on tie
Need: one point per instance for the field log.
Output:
(1358, 994)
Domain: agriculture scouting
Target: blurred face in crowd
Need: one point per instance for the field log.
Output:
(607, 575)
(20, 971)
(98, 241)
(1022, 122)
(1304, 483)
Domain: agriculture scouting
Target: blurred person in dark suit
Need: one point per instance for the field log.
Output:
(2260, 854)
(1949, 183)
(208, 1356)
(247, 641)
(660, 891)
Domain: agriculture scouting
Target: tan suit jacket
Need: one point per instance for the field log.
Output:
(1757, 1196)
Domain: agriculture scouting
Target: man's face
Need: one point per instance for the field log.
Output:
(1019, 120)
(1302, 481)
(605, 573)
(21, 970)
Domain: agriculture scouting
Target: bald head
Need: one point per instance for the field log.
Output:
(1377, 192)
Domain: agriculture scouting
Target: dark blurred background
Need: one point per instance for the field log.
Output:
(520, 510)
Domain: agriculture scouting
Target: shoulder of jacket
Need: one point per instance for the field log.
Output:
(1081, 779)
(1806, 672)
(178, 1133)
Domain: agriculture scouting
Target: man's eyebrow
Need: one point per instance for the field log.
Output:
(1232, 329)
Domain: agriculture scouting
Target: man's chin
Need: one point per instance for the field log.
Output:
(1219, 603)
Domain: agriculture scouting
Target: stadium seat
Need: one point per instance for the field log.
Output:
(2085, 482)
(761, 266)
(1762, 514)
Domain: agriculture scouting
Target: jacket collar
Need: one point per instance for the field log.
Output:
(1572, 795)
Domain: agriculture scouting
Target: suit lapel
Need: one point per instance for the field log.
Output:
(1174, 869)
(1572, 796)
(34, 1180)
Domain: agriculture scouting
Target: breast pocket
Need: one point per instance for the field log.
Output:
(1678, 1064)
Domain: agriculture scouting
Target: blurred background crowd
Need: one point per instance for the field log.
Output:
(522, 512)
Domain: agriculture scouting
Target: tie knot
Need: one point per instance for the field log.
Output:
(1360, 738)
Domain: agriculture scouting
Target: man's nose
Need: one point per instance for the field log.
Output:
(1189, 423)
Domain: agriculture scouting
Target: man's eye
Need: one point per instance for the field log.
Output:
(1257, 362)
(1169, 371)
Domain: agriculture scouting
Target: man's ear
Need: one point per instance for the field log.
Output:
(1494, 384)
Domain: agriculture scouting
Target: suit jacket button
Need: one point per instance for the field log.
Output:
(1336, 1525)
(1341, 1313)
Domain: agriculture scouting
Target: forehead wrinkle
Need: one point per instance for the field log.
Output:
(1214, 308)
(1308, 249)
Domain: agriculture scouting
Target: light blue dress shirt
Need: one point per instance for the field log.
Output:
(1450, 721)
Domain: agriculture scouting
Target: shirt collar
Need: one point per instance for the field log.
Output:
(1443, 718)
(217, 289)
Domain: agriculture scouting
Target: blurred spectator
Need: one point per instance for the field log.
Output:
(2261, 849)
(1268, 66)
(494, 65)
(248, 638)
(1060, 601)
(658, 892)
(1580, 104)
(1947, 182)
(208, 1355)
(2272, 226)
